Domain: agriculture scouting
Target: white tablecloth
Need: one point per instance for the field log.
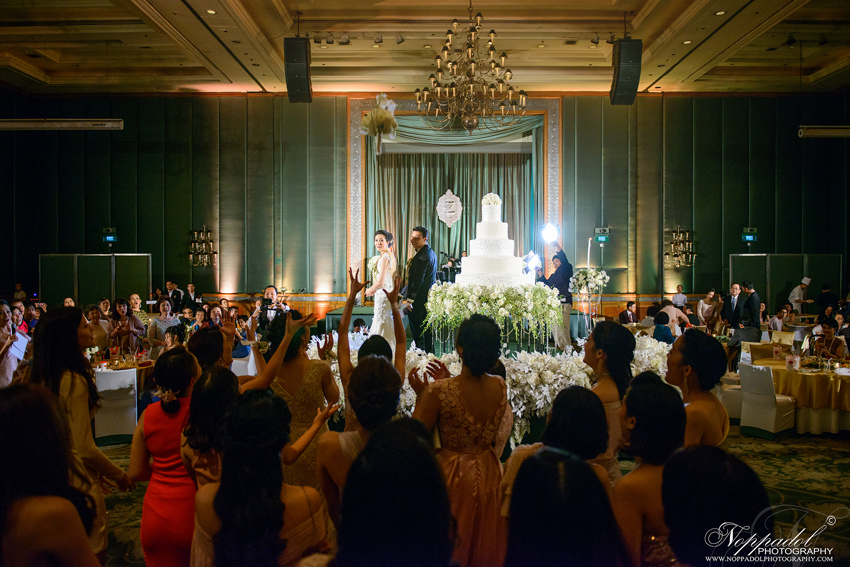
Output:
(117, 413)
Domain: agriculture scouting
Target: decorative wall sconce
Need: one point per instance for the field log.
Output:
(681, 254)
(202, 250)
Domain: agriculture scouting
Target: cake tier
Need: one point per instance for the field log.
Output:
(493, 247)
(491, 264)
(494, 279)
(491, 230)
(491, 213)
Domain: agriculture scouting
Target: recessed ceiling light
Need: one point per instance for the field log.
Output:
(426, 46)
(210, 11)
(720, 13)
(541, 45)
(323, 47)
(687, 42)
(593, 46)
(376, 45)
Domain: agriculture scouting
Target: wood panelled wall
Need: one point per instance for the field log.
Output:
(267, 176)
(710, 164)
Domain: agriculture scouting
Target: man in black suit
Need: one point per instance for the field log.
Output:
(629, 315)
(191, 299)
(421, 275)
(731, 314)
(175, 294)
(750, 314)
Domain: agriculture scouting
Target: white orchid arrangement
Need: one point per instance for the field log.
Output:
(588, 281)
(491, 199)
(533, 378)
(450, 304)
(381, 119)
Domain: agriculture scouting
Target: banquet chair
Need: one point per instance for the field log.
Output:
(783, 338)
(731, 397)
(764, 413)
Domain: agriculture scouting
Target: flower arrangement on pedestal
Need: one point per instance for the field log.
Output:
(380, 121)
(587, 284)
(449, 304)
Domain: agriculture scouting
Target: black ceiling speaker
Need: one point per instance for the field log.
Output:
(626, 59)
(296, 58)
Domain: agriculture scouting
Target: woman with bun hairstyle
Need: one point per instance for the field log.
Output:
(471, 410)
(609, 352)
(373, 392)
(168, 513)
(382, 269)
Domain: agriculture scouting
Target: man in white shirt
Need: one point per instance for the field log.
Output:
(798, 295)
(19, 292)
(775, 323)
(680, 299)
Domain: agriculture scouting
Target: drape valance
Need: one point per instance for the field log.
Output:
(412, 129)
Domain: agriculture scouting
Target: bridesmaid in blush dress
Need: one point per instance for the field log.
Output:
(168, 513)
(474, 420)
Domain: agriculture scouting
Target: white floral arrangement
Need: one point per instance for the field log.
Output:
(381, 119)
(450, 304)
(491, 199)
(91, 351)
(588, 281)
(533, 378)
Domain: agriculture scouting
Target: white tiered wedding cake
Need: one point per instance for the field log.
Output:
(491, 259)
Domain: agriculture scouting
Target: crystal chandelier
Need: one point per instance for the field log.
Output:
(201, 248)
(682, 248)
(470, 86)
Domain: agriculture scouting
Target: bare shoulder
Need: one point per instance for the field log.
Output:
(205, 496)
(37, 516)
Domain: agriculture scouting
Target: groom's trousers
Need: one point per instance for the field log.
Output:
(421, 336)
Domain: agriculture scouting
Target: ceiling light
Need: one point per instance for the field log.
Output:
(611, 39)
(687, 42)
(595, 40)
(541, 45)
(720, 13)
(398, 39)
(344, 40)
(210, 11)
(62, 124)
(379, 38)
(376, 45)
(426, 46)
(323, 47)
(592, 46)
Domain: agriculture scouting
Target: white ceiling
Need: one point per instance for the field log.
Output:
(142, 46)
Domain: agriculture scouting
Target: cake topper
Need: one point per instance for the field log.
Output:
(449, 208)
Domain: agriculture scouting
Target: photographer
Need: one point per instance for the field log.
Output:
(270, 307)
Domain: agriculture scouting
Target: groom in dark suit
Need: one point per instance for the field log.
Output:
(421, 275)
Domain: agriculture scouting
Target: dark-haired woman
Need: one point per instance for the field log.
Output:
(44, 519)
(125, 329)
(252, 517)
(373, 392)
(609, 352)
(382, 268)
(157, 327)
(59, 365)
(8, 336)
(471, 411)
(562, 516)
(168, 510)
(653, 424)
(304, 385)
(576, 424)
(696, 363)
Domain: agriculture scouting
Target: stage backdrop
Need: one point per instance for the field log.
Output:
(402, 190)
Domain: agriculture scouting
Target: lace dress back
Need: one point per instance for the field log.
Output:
(303, 405)
(473, 475)
(382, 319)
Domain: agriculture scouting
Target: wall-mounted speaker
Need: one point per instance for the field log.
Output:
(626, 58)
(296, 59)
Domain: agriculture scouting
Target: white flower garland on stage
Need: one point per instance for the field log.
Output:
(450, 304)
(533, 378)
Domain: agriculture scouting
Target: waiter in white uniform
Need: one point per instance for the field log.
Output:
(798, 295)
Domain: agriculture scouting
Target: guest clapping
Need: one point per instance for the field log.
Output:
(125, 328)
(8, 336)
(157, 327)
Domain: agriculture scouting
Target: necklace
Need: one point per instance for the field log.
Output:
(599, 377)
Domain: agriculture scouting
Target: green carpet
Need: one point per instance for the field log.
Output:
(809, 472)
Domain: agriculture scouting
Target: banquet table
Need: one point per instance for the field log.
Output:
(635, 328)
(822, 400)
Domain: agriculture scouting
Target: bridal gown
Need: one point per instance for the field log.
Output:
(382, 320)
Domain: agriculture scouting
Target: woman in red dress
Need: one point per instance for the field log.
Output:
(168, 514)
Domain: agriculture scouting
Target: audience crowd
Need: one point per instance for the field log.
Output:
(243, 470)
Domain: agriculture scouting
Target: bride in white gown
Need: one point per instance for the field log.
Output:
(382, 268)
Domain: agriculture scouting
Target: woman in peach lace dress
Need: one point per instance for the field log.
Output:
(473, 416)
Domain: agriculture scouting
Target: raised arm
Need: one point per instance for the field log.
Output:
(265, 379)
(398, 327)
(344, 349)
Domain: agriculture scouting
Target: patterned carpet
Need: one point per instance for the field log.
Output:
(807, 477)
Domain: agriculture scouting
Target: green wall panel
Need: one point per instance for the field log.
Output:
(588, 177)
(678, 181)
(786, 272)
(294, 223)
(650, 176)
(56, 281)
(568, 179)
(260, 199)
(151, 185)
(231, 198)
(321, 193)
(762, 162)
(98, 178)
(708, 193)
(615, 201)
(72, 200)
(124, 188)
(205, 184)
(10, 274)
(735, 175)
(788, 190)
(178, 189)
(94, 279)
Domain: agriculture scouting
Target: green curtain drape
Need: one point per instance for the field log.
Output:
(402, 191)
(411, 128)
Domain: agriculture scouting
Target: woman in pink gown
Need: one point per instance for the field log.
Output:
(474, 420)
